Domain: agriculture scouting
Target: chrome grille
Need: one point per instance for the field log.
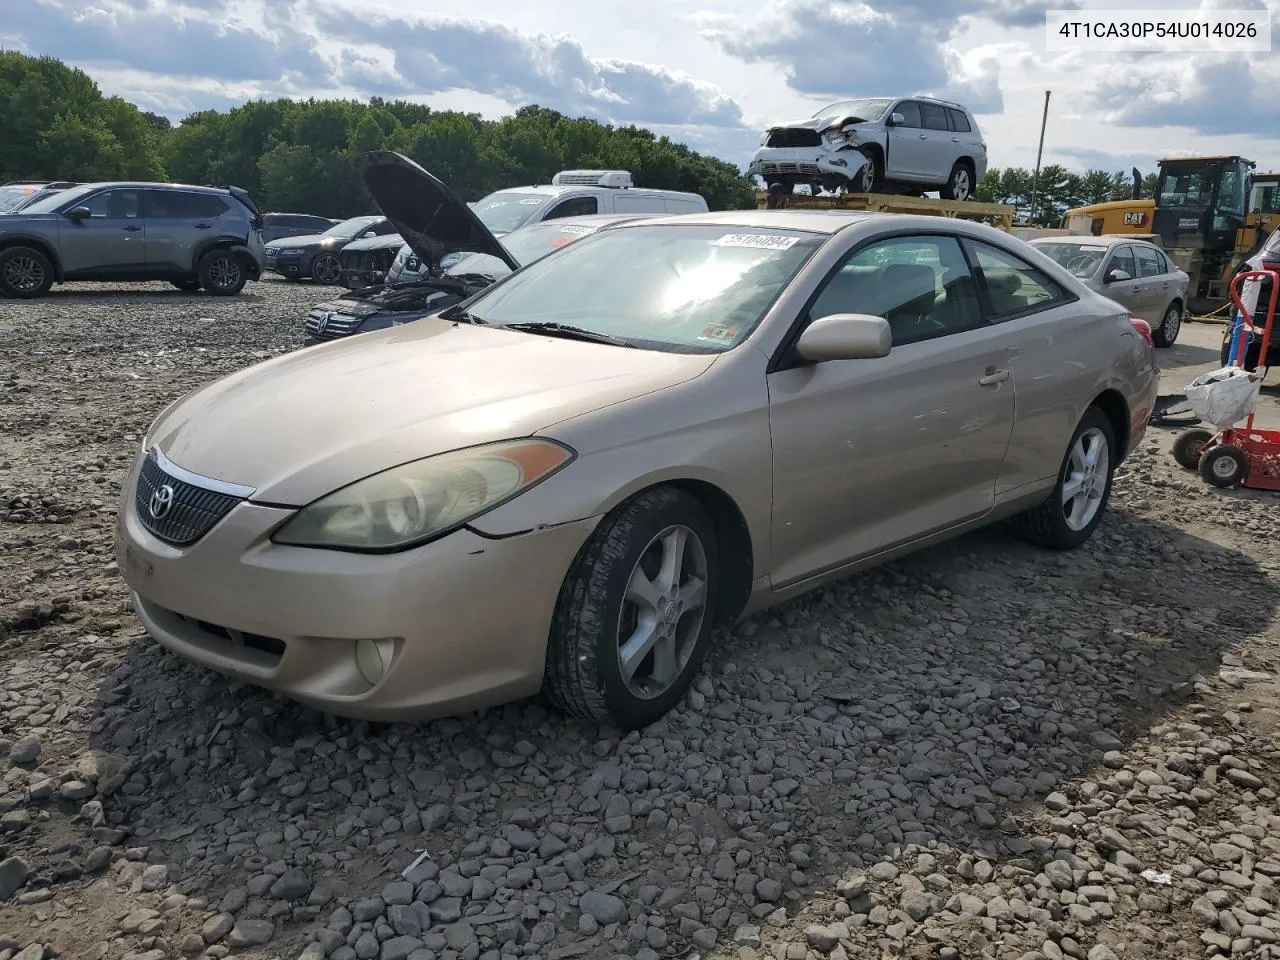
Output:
(803, 169)
(794, 137)
(191, 511)
(328, 325)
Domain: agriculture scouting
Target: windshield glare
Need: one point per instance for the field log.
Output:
(1082, 259)
(351, 228)
(687, 289)
(10, 197)
(539, 239)
(865, 110)
(506, 210)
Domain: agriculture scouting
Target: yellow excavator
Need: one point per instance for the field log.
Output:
(1208, 213)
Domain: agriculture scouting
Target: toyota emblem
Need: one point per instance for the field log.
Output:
(161, 502)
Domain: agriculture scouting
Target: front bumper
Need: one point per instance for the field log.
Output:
(289, 264)
(468, 617)
(804, 163)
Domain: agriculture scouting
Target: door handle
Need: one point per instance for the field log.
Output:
(993, 376)
(924, 136)
(132, 229)
(955, 139)
(202, 226)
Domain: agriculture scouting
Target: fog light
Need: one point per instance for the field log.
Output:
(372, 659)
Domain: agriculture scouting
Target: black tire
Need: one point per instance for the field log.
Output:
(1170, 324)
(870, 179)
(583, 670)
(222, 273)
(25, 273)
(1046, 525)
(1189, 446)
(326, 269)
(959, 185)
(189, 284)
(1224, 466)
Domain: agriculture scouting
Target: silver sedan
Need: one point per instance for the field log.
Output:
(1134, 273)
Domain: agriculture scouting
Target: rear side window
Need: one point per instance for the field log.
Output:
(1013, 286)
(173, 205)
(934, 117)
(1149, 262)
(1123, 259)
(959, 122)
(573, 207)
(681, 205)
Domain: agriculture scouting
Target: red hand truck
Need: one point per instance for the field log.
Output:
(1245, 456)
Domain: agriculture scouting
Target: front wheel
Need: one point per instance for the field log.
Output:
(1224, 466)
(959, 185)
(870, 179)
(327, 269)
(1189, 447)
(25, 273)
(1169, 326)
(221, 273)
(1079, 499)
(635, 613)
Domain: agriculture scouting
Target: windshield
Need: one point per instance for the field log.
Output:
(863, 110)
(1082, 259)
(1273, 243)
(506, 210)
(10, 197)
(686, 289)
(55, 200)
(351, 228)
(1188, 188)
(539, 239)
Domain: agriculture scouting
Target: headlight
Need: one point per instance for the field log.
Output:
(837, 137)
(412, 503)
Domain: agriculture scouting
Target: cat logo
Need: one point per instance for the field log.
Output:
(1135, 218)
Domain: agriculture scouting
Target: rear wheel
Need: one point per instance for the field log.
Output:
(1224, 466)
(25, 273)
(636, 612)
(1079, 499)
(1167, 332)
(959, 185)
(221, 273)
(1189, 446)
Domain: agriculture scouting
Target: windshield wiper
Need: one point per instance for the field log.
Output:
(569, 332)
(462, 316)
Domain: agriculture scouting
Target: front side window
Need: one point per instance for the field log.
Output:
(1123, 259)
(686, 289)
(910, 111)
(350, 229)
(113, 205)
(921, 285)
(1014, 286)
(1231, 191)
(574, 207)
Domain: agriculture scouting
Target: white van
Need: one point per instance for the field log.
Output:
(571, 193)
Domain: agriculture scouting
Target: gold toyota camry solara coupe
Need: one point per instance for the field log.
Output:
(565, 481)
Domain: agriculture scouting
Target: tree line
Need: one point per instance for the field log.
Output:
(294, 155)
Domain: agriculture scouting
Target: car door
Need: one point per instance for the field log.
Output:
(873, 453)
(1127, 289)
(177, 224)
(1053, 349)
(907, 144)
(110, 242)
(1157, 284)
(939, 152)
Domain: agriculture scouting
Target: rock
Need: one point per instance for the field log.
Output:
(13, 874)
(400, 948)
(1102, 952)
(604, 908)
(769, 890)
(217, 927)
(192, 944)
(25, 751)
(291, 885)
(820, 937)
(1060, 874)
(251, 933)
(154, 877)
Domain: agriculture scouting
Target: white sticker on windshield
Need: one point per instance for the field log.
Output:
(576, 231)
(761, 241)
(1093, 249)
(532, 202)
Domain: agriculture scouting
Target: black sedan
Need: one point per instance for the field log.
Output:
(316, 256)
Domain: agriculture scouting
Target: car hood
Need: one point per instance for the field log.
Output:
(301, 425)
(433, 220)
(312, 240)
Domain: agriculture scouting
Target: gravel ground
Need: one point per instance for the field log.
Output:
(982, 751)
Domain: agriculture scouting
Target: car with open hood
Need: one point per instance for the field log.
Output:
(474, 256)
(315, 256)
(566, 481)
(366, 262)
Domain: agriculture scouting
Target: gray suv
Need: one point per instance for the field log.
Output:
(194, 237)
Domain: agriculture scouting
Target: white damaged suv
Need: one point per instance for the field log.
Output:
(903, 144)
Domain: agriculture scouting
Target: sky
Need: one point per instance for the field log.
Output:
(710, 73)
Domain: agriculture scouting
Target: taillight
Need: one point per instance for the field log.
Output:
(1144, 330)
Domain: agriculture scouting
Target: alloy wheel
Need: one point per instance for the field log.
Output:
(662, 612)
(23, 274)
(224, 273)
(960, 185)
(1172, 323)
(327, 269)
(1085, 483)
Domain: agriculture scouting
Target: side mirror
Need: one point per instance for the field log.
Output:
(369, 234)
(897, 120)
(845, 336)
(1116, 275)
(79, 213)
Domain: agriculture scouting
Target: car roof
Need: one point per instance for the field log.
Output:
(591, 220)
(142, 184)
(1090, 239)
(811, 221)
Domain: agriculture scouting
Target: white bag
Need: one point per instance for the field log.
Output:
(1223, 397)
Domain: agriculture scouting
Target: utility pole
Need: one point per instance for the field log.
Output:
(1035, 180)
